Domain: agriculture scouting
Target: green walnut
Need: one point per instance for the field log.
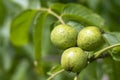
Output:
(116, 53)
(64, 36)
(74, 59)
(116, 50)
(89, 38)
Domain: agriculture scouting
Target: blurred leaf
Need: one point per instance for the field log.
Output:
(2, 12)
(7, 60)
(111, 68)
(57, 7)
(80, 13)
(43, 3)
(19, 31)
(113, 6)
(42, 24)
(67, 1)
(113, 38)
(94, 4)
(13, 8)
(34, 4)
(92, 72)
(47, 3)
(54, 69)
(21, 71)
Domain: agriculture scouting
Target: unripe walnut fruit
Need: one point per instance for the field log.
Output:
(89, 38)
(64, 36)
(116, 50)
(74, 59)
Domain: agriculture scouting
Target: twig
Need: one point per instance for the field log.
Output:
(104, 55)
(57, 16)
(53, 13)
(97, 54)
(53, 75)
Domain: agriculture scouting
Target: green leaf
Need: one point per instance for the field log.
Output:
(54, 69)
(2, 12)
(113, 6)
(37, 37)
(110, 38)
(111, 68)
(94, 4)
(43, 3)
(117, 35)
(76, 25)
(80, 13)
(46, 45)
(57, 7)
(19, 31)
(41, 37)
(113, 38)
(92, 72)
(21, 71)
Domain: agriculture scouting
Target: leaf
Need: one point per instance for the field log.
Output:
(21, 71)
(54, 69)
(113, 6)
(57, 7)
(117, 35)
(110, 38)
(37, 37)
(46, 33)
(94, 4)
(113, 38)
(43, 3)
(41, 37)
(92, 72)
(79, 13)
(2, 12)
(76, 25)
(111, 68)
(19, 31)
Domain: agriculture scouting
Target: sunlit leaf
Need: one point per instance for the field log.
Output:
(20, 26)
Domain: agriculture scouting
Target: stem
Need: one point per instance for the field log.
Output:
(104, 55)
(53, 75)
(53, 13)
(97, 54)
(76, 77)
(57, 16)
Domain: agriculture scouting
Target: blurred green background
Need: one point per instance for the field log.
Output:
(17, 63)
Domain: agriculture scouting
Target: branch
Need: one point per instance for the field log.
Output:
(100, 52)
(53, 75)
(53, 13)
(104, 55)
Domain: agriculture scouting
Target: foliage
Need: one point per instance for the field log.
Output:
(26, 52)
